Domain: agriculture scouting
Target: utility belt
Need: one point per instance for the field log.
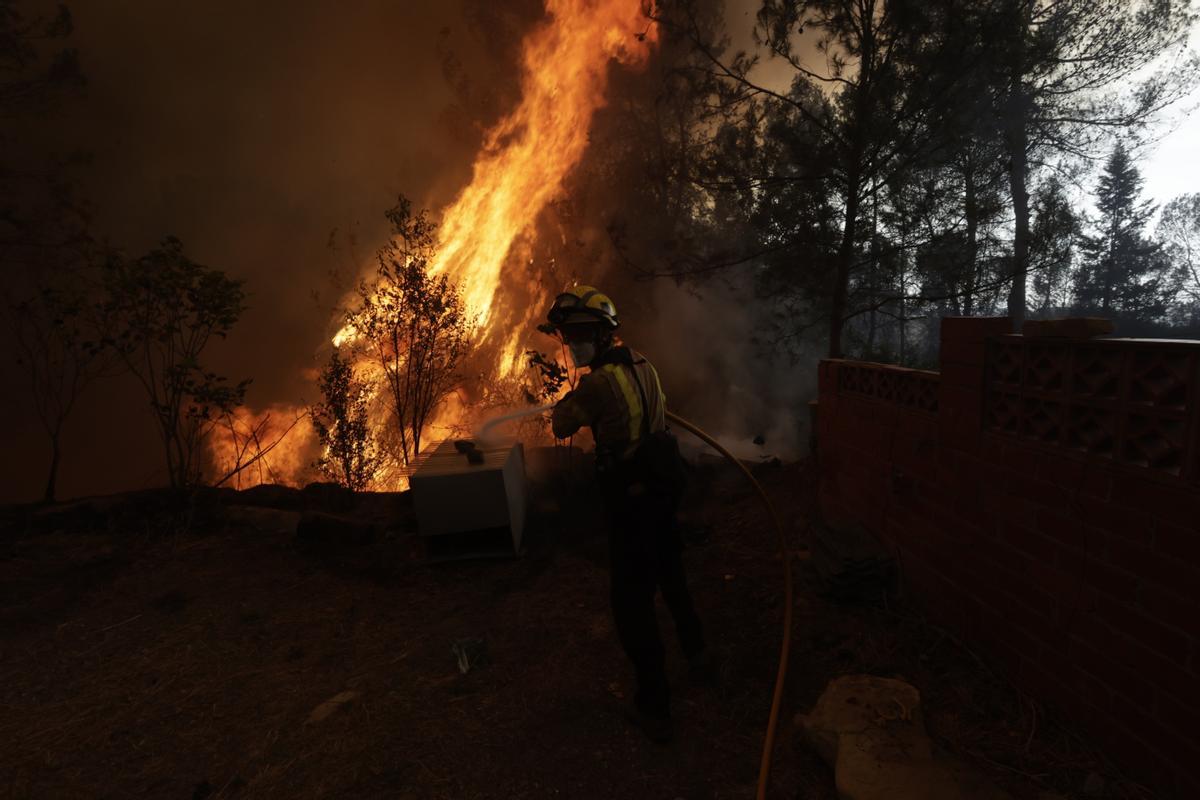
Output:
(654, 467)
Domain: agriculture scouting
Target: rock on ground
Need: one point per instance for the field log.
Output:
(871, 730)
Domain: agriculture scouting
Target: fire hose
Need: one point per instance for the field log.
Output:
(764, 769)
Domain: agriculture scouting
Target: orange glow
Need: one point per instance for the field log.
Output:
(527, 155)
(519, 170)
(286, 455)
(529, 152)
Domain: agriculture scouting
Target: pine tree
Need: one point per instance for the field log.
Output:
(1123, 270)
(1052, 241)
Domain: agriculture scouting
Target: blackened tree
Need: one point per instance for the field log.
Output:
(349, 453)
(413, 325)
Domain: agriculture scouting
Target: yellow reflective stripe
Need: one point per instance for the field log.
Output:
(631, 400)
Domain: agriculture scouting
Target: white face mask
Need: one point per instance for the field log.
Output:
(582, 353)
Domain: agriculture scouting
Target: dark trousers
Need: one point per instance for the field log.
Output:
(645, 554)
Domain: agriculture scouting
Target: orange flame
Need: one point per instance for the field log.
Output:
(528, 153)
(524, 159)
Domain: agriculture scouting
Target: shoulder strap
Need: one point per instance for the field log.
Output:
(642, 392)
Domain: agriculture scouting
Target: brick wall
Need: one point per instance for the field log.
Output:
(1043, 500)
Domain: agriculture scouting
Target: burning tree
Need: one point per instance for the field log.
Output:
(165, 309)
(413, 325)
(349, 454)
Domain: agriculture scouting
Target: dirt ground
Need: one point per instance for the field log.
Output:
(149, 652)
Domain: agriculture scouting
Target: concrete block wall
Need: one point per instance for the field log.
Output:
(1042, 498)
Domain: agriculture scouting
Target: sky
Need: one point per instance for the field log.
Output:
(251, 130)
(1172, 166)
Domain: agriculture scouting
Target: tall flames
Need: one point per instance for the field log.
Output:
(521, 167)
(529, 152)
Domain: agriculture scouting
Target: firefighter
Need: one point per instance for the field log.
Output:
(640, 475)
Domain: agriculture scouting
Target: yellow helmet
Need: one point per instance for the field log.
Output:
(583, 304)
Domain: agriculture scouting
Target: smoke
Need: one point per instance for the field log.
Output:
(707, 343)
(253, 132)
(250, 131)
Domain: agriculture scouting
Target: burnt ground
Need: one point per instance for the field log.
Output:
(150, 651)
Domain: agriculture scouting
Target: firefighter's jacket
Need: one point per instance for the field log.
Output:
(608, 399)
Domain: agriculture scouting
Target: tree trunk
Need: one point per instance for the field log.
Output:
(1017, 138)
(841, 285)
(971, 211)
(871, 326)
(52, 480)
(1017, 176)
(1106, 294)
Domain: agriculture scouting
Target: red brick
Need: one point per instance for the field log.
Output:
(1068, 532)
(1049, 684)
(1092, 690)
(827, 373)
(1178, 541)
(1128, 555)
(1157, 669)
(1009, 656)
(1171, 573)
(1086, 629)
(961, 351)
(992, 447)
(1017, 649)
(959, 398)
(1119, 678)
(1062, 470)
(1024, 461)
(1038, 492)
(1117, 583)
(962, 373)
(1060, 525)
(1157, 497)
(1009, 510)
(1013, 562)
(1166, 640)
(991, 476)
(1096, 483)
(1170, 608)
(1179, 714)
(1176, 751)
(1070, 590)
(974, 329)
(1041, 549)
(1126, 522)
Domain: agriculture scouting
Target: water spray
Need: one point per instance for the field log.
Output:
(483, 434)
(764, 769)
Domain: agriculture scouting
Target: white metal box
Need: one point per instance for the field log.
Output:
(452, 495)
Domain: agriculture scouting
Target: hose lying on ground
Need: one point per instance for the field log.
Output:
(764, 768)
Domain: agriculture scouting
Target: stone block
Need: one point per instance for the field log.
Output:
(872, 732)
(1067, 328)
